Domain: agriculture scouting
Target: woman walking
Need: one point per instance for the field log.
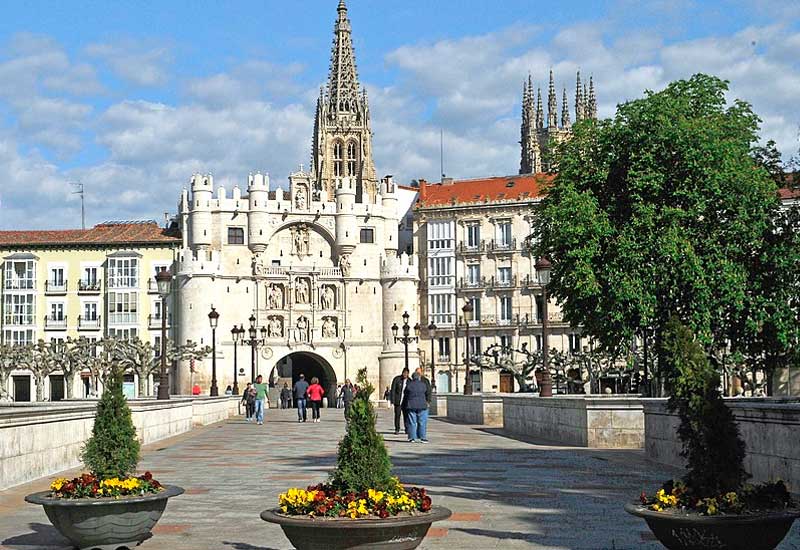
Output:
(249, 400)
(315, 393)
(417, 405)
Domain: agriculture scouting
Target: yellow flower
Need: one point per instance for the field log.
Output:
(58, 484)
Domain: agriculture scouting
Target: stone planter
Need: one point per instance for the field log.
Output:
(105, 524)
(397, 533)
(724, 532)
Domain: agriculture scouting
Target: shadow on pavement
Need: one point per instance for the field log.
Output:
(43, 536)
(246, 546)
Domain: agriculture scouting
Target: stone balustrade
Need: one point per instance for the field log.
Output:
(41, 439)
(480, 409)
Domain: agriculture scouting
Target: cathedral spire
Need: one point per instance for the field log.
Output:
(343, 88)
(552, 103)
(565, 122)
(578, 99)
(592, 106)
(539, 111)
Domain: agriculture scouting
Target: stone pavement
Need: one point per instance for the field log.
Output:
(504, 493)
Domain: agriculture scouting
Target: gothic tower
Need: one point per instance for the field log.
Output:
(342, 143)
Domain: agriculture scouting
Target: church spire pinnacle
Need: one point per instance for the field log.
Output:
(592, 106)
(539, 111)
(343, 88)
(578, 98)
(565, 122)
(552, 103)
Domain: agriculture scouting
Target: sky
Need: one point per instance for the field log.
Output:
(130, 98)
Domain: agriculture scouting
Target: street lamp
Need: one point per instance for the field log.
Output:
(543, 267)
(164, 283)
(467, 310)
(432, 334)
(237, 334)
(213, 320)
(406, 338)
(254, 342)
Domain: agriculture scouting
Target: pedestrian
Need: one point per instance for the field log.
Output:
(315, 393)
(348, 394)
(229, 390)
(398, 390)
(339, 396)
(261, 398)
(196, 390)
(249, 400)
(417, 406)
(387, 394)
(286, 396)
(423, 418)
(300, 388)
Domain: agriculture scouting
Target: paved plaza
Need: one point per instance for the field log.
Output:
(504, 493)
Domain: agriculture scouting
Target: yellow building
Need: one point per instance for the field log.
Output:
(92, 283)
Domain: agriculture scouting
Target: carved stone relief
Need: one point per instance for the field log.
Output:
(328, 297)
(329, 327)
(275, 296)
(275, 327)
(302, 292)
(259, 266)
(302, 329)
(301, 240)
(344, 264)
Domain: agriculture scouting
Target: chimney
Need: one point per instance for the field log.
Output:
(423, 190)
(447, 181)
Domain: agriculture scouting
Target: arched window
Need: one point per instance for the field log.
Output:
(338, 159)
(352, 158)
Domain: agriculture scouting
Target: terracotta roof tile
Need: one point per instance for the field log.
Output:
(789, 194)
(504, 188)
(102, 234)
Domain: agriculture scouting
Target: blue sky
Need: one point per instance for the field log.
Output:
(130, 98)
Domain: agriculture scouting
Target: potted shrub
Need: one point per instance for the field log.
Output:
(362, 505)
(712, 506)
(108, 507)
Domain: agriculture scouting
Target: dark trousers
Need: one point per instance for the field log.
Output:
(398, 410)
(250, 409)
(301, 408)
(347, 405)
(315, 405)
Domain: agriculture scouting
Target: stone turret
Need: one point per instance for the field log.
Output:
(200, 211)
(258, 219)
(389, 204)
(346, 222)
(399, 279)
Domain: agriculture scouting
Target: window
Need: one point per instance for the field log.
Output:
(19, 309)
(352, 159)
(441, 271)
(444, 349)
(473, 235)
(123, 333)
(539, 309)
(574, 343)
(57, 311)
(18, 337)
(504, 234)
(90, 311)
(235, 235)
(538, 340)
(157, 309)
(57, 277)
(440, 235)
(476, 310)
(123, 272)
(474, 347)
(123, 308)
(505, 340)
(441, 308)
(157, 346)
(367, 235)
(473, 274)
(20, 275)
(338, 159)
(505, 309)
(89, 280)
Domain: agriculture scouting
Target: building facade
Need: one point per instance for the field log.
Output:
(81, 283)
(470, 237)
(317, 267)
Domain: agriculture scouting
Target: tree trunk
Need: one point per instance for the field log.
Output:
(69, 382)
(39, 380)
(142, 385)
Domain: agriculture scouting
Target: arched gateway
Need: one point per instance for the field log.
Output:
(289, 368)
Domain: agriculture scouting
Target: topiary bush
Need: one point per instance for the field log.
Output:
(112, 450)
(362, 462)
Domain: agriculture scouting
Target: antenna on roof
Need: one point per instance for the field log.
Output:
(79, 187)
(441, 150)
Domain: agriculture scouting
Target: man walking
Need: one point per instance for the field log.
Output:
(348, 394)
(398, 393)
(300, 389)
(422, 416)
(286, 397)
(417, 406)
(261, 398)
(249, 400)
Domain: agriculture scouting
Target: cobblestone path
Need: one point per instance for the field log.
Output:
(504, 493)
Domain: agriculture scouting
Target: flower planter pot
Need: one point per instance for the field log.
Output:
(105, 524)
(395, 533)
(723, 532)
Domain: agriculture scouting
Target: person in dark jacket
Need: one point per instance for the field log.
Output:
(348, 394)
(249, 400)
(300, 389)
(286, 397)
(398, 391)
(417, 407)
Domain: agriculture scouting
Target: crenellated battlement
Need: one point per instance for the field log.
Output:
(399, 266)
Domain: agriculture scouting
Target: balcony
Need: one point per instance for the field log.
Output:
(503, 284)
(55, 287)
(464, 249)
(476, 285)
(88, 287)
(154, 321)
(55, 323)
(497, 247)
(89, 323)
(531, 281)
(123, 318)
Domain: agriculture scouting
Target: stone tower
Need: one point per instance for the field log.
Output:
(342, 142)
(536, 137)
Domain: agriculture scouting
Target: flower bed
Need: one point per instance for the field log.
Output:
(323, 500)
(89, 486)
(675, 496)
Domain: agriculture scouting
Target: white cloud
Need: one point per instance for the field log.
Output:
(140, 64)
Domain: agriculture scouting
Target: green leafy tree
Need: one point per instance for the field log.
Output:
(362, 462)
(113, 449)
(713, 449)
(658, 212)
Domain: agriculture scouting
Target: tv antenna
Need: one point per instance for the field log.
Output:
(79, 187)
(441, 150)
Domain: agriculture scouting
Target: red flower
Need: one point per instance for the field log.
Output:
(69, 487)
(147, 476)
(643, 498)
(383, 513)
(322, 509)
(426, 504)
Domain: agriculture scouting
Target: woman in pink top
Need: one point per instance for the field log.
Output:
(315, 393)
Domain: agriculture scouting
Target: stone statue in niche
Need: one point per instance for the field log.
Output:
(300, 200)
(259, 266)
(301, 240)
(301, 332)
(275, 327)
(329, 328)
(302, 292)
(328, 298)
(275, 298)
(344, 264)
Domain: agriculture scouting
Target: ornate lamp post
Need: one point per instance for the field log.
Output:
(406, 338)
(237, 334)
(164, 282)
(543, 267)
(254, 341)
(432, 334)
(467, 310)
(213, 320)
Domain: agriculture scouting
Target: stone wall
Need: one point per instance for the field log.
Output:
(484, 410)
(38, 440)
(583, 421)
(438, 405)
(770, 428)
